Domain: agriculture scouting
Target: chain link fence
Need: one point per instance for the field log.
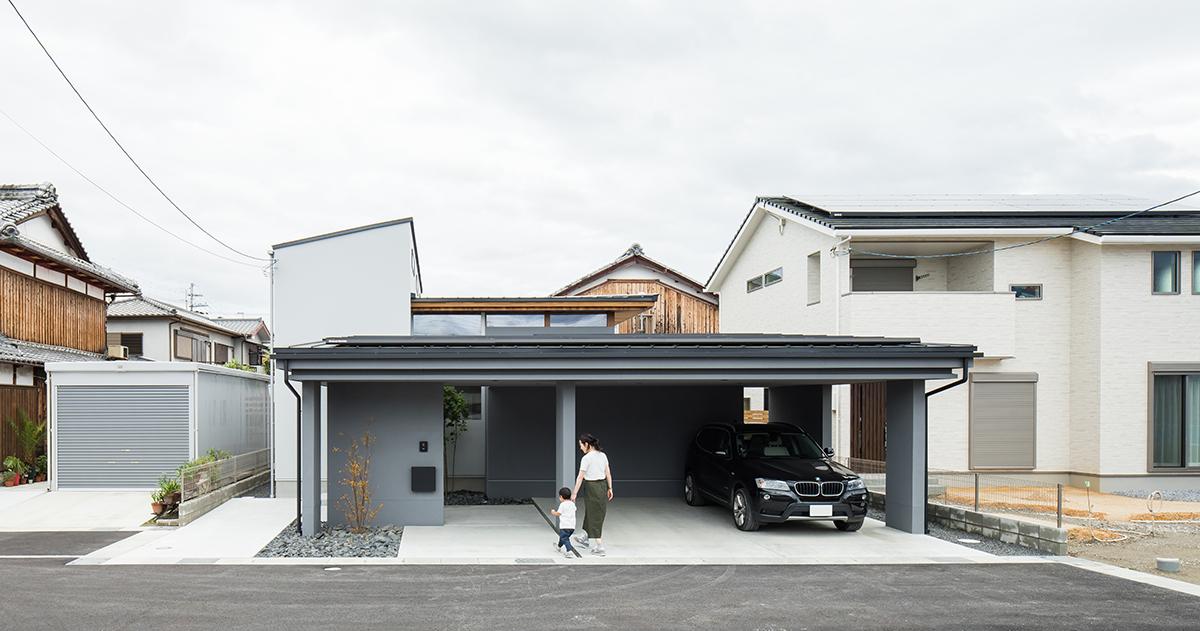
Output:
(982, 492)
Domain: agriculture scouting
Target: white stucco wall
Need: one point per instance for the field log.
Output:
(1137, 327)
(782, 307)
(358, 283)
(42, 230)
(156, 338)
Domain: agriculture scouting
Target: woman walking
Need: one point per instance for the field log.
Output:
(595, 478)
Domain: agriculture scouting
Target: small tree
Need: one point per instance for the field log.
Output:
(30, 435)
(355, 502)
(455, 412)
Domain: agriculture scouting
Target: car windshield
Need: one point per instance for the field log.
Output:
(776, 444)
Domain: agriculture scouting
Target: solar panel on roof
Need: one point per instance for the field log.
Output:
(958, 203)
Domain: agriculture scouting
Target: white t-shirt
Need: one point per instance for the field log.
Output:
(566, 517)
(593, 465)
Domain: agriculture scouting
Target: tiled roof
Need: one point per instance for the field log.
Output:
(19, 202)
(994, 211)
(145, 307)
(34, 354)
(632, 256)
(244, 326)
(11, 237)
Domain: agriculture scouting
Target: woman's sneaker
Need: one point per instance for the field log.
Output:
(599, 551)
(581, 540)
(567, 554)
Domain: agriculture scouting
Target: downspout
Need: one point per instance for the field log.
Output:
(837, 297)
(965, 370)
(299, 424)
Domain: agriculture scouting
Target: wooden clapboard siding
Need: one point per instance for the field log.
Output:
(37, 311)
(29, 399)
(675, 311)
(868, 417)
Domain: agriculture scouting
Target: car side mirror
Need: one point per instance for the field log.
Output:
(828, 452)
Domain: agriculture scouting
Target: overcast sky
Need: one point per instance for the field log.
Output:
(534, 141)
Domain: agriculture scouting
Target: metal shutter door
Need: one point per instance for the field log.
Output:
(1003, 415)
(120, 437)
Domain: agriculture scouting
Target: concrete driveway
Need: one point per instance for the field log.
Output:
(29, 510)
(667, 530)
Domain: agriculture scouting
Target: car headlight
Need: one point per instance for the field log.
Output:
(771, 485)
(855, 484)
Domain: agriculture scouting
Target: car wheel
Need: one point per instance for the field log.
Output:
(743, 512)
(848, 526)
(691, 494)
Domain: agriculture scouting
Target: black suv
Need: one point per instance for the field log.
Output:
(772, 473)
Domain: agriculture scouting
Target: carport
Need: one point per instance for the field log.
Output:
(645, 396)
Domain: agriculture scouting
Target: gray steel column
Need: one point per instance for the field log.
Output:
(310, 459)
(906, 455)
(564, 435)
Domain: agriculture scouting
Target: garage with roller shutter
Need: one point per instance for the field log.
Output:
(122, 425)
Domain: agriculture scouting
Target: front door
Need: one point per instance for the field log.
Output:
(868, 417)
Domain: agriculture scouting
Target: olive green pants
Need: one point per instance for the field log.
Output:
(595, 505)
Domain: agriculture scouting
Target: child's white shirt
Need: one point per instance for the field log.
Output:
(566, 516)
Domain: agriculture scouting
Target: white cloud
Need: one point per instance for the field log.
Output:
(534, 141)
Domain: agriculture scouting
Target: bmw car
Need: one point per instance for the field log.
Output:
(772, 473)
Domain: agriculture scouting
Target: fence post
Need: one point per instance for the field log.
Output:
(1059, 510)
(976, 492)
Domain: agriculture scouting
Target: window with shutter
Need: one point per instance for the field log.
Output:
(1003, 420)
(132, 341)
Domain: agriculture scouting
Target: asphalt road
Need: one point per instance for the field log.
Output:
(43, 594)
(76, 543)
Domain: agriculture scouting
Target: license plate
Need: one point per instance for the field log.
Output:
(820, 510)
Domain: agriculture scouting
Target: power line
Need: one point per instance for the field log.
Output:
(118, 142)
(1014, 246)
(116, 199)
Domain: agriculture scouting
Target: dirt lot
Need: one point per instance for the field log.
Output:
(1139, 552)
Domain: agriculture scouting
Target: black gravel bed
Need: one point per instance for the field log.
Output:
(476, 498)
(1175, 495)
(335, 541)
(991, 546)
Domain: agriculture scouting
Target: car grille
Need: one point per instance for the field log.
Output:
(820, 489)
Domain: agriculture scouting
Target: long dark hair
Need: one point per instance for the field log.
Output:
(591, 441)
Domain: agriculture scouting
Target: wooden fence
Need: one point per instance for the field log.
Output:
(29, 399)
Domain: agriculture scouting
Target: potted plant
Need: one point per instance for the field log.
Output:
(14, 464)
(156, 503)
(168, 488)
(8, 477)
(41, 464)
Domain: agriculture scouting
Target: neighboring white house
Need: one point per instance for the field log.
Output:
(1089, 334)
(154, 330)
(365, 278)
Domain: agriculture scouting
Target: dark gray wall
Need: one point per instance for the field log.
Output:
(399, 416)
(809, 407)
(644, 429)
(520, 441)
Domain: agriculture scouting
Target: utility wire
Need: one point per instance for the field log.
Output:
(118, 142)
(116, 199)
(1014, 246)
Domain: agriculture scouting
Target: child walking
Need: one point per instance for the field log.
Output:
(566, 523)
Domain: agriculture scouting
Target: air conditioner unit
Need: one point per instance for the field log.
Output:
(118, 352)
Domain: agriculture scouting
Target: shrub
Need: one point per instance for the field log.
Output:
(356, 501)
(30, 435)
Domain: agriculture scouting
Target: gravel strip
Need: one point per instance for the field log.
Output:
(475, 498)
(1175, 495)
(991, 546)
(335, 541)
